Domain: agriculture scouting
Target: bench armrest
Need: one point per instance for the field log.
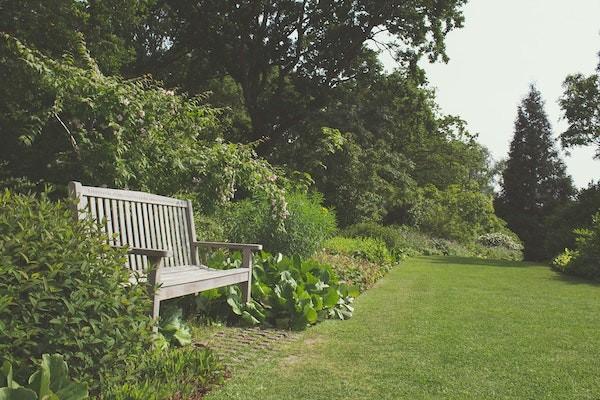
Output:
(152, 253)
(230, 246)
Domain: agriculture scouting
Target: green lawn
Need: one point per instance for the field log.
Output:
(446, 328)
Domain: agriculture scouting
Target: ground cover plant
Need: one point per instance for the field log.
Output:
(446, 327)
(182, 373)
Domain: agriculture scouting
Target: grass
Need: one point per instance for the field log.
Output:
(445, 328)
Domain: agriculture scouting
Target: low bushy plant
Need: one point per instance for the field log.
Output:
(305, 228)
(181, 373)
(65, 290)
(367, 248)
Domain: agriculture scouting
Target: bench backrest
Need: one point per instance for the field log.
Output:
(138, 219)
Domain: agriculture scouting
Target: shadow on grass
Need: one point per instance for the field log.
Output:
(479, 262)
(574, 280)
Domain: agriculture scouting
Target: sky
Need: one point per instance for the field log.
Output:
(502, 48)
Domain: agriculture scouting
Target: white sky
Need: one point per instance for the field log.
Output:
(503, 47)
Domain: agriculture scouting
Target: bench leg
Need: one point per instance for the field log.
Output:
(246, 291)
(247, 286)
(155, 313)
(153, 279)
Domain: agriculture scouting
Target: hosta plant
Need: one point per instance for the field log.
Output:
(173, 329)
(287, 293)
(50, 382)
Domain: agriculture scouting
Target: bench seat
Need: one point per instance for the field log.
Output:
(188, 279)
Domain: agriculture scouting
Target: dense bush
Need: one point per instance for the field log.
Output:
(185, 373)
(584, 260)
(287, 293)
(307, 225)
(64, 290)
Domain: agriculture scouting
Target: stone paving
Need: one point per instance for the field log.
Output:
(247, 347)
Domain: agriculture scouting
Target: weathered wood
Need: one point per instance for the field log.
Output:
(247, 264)
(227, 245)
(192, 233)
(160, 237)
(130, 195)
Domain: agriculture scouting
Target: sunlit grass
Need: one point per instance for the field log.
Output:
(446, 328)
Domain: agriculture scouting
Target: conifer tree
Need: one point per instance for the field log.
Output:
(535, 182)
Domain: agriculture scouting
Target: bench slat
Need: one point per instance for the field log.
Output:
(131, 195)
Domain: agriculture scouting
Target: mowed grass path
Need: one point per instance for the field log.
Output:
(446, 328)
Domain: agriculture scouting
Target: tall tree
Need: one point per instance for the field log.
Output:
(535, 180)
(285, 55)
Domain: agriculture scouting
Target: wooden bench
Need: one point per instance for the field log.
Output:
(160, 236)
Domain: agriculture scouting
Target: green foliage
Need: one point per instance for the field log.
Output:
(535, 182)
(184, 373)
(584, 260)
(65, 120)
(55, 27)
(307, 225)
(456, 213)
(367, 248)
(64, 290)
(287, 293)
(581, 105)
(50, 382)
(173, 328)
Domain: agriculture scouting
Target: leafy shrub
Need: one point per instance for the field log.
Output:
(64, 290)
(563, 260)
(370, 249)
(50, 382)
(584, 260)
(306, 227)
(287, 293)
(183, 373)
(498, 239)
(391, 235)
